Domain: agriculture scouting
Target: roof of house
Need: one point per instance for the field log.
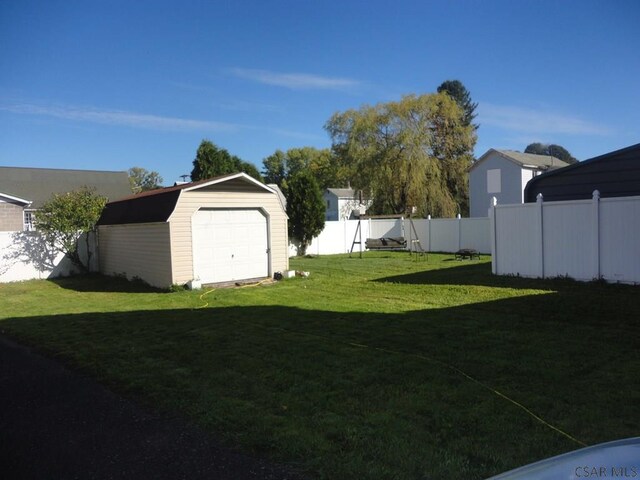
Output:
(614, 174)
(344, 192)
(543, 162)
(38, 185)
(158, 205)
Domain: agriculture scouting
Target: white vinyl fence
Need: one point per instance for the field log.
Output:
(25, 256)
(435, 235)
(581, 239)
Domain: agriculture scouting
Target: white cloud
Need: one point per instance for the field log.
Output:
(536, 122)
(294, 81)
(116, 117)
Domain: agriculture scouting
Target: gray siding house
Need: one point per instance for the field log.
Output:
(24, 190)
(341, 203)
(504, 174)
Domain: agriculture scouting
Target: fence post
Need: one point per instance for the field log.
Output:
(595, 206)
(494, 235)
(428, 233)
(459, 232)
(540, 207)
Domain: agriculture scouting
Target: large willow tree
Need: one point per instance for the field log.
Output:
(407, 153)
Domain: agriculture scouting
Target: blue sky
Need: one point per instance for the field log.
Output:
(113, 84)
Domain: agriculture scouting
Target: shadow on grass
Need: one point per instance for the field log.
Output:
(96, 282)
(354, 392)
(480, 274)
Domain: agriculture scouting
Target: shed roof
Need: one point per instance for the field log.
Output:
(542, 162)
(158, 205)
(38, 185)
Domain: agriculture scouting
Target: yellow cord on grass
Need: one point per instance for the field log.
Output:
(206, 304)
(455, 369)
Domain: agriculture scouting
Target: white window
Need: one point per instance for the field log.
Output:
(493, 181)
(29, 220)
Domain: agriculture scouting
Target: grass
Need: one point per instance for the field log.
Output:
(355, 372)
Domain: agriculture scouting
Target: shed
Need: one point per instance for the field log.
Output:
(223, 229)
(614, 174)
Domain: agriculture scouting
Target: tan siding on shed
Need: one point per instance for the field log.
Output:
(138, 250)
(190, 202)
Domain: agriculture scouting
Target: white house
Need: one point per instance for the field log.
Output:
(341, 202)
(504, 174)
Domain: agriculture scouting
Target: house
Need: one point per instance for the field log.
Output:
(504, 174)
(614, 174)
(341, 203)
(224, 229)
(24, 190)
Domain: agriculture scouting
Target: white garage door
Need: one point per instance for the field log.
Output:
(230, 245)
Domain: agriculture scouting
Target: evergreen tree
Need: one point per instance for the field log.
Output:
(212, 161)
(305, 208)
(557, 151)
(461, 95)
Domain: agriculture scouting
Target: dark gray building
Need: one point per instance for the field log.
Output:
(614, 174)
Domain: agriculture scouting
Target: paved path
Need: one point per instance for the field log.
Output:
(56, 424)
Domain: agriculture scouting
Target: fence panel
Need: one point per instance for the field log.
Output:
(336, 237)
(25, 256)
(445, 235)
(516, 240)
(474, 233)
(384, 228)
(620, 239)
(566, 225)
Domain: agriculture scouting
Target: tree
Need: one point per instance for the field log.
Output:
(408, 153)
(212, 161)
(280, 166)
(305, 208)
(461, 95)
(142, 179)
(551, 149)
(66, 218)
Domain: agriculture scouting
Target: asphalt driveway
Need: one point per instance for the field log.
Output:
(58, 424)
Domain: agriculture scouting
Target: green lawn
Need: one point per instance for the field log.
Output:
(381, 367)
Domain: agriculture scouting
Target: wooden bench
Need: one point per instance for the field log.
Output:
(387, 243)
(467, 253)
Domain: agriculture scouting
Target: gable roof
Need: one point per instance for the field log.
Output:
(38, 185)
(530, 160)
(158, 205)
(613, 174)
(342, 192)
(13, 199)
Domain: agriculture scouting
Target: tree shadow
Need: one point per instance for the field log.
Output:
(31, 249)
(366, 383)
(96, 282)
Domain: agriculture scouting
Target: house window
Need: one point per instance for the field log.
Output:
(328, 204)
(29, 221)
(493, 181)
